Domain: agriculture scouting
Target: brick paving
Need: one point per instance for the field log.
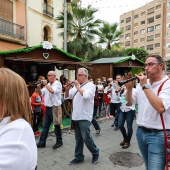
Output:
(108, 143)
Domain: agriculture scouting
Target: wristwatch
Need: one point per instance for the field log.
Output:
(145, 87)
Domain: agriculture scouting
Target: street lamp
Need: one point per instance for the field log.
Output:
(65, 24)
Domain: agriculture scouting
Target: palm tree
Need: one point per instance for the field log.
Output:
(109, 35)
(80, 22)
(81, 28)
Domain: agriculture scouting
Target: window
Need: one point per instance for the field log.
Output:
(122, 28)
(136, 32)
(142, 39)
(128, 27)
(158, 16)
(150, 47)
(122, 21)
(127, 43)
(142, 31)
(136, 41)
(168, 45)
(136, 24)
(45, 34)
(128, 19)
(168, 4)
(157, 45)
(6, 10)
(150, 11)
(168, 25)
(150, 20)
(168, 15)
(142, 22)
(142, 13)
(150, 29)
(127, 36)
(150, 38)
(157, 35)
(143, 47)
(158, 6)
(136, 16)
(168, 55)
(157, 26)
(168, 34)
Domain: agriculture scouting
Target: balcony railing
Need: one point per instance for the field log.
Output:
(48, 10)
(11, 29)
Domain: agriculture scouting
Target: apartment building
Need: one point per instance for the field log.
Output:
(12, 24)
(148, 27)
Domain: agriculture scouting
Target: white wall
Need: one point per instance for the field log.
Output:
(36, 21)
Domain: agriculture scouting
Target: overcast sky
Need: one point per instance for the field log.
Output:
(110, 10)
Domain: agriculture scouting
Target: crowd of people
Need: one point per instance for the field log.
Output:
(87, 99)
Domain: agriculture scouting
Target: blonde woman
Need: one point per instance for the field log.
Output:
(18, 149)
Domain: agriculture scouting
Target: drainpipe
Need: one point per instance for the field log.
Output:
(26, 18)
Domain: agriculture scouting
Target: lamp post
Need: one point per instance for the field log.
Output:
(65, 24)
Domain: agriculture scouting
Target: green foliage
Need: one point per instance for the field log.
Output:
(109, 35)
(136, 71)
(138, 52)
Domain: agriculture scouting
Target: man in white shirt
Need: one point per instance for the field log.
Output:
(150, 135)
(83, 104)
(52, 101)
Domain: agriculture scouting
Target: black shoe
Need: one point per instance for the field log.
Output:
(116, 128)
(57, 145)
(75, 161)
(95, 159)
(112, 125)
(39, 145)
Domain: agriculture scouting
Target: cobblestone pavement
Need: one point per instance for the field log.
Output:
(108, 143)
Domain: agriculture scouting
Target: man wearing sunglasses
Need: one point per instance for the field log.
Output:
(52, 101)
(150, 134)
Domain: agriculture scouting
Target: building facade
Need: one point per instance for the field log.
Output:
(41, 23)
(148, 27)
(12, 24)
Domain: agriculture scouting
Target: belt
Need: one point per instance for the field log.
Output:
(151, 130)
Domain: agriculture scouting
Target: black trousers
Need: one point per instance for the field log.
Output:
(114, 110)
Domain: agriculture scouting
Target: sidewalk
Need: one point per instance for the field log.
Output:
(108, 143)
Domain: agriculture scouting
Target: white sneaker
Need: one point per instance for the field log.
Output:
(98, 132)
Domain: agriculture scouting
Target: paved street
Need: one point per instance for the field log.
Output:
(108, 143)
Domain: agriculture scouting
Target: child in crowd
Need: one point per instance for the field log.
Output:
(36, 104)
(107, 97)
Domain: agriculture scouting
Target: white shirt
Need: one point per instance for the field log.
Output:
(114, 97)
(52, 99)
(18, 150)
(123, 106)
(147, 115)
(83, 106)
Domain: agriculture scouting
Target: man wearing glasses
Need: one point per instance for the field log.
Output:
(52, 101)
(83, 104)
(150, 134)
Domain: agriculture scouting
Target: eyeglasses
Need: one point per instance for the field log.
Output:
(149, 64)
(79, 75)
(48, 75)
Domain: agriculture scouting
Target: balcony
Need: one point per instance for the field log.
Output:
(11, 29)
(48, 10)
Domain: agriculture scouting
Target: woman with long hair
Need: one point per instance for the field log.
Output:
(17, 143)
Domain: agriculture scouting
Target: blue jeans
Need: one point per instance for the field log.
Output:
(152, 148)
(46, 126)
(82, 135)
(128, 116)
